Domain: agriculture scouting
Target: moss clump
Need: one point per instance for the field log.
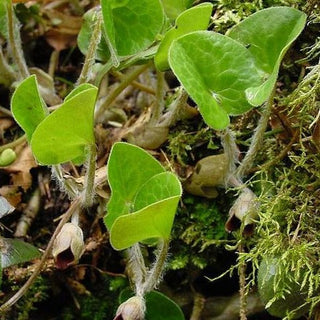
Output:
(101, 303)
(37, 294)
(185, 144)
(198, 224)
(231, 12)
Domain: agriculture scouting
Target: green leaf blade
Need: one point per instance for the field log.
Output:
(125, 24)
(143, 199)
(193, 19)
(79, 89)
(173, 8)
(160, 307)
(14, 251)
(278, 28)
(153, 221)
(159, 187)
(66, 133)
(129, 167)
(27, 106)
(215, 72)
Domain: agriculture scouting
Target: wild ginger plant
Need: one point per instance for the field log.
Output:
(225, 75)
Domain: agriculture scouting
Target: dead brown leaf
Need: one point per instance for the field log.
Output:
(12, 194)
(64, 29)
(5, 124)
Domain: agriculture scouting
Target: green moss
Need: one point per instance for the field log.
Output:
(101, 303)
(288, 226)
(199, 223)
(38, 292)
(231, 12)
(185, 144)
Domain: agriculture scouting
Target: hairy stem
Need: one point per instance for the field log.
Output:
(137, 269)
(279, 157)
(90, 57)
(120, 87)
(64, 184)
(158, 104)
(232, 152)
(90, 175)
(154, 275)
(242, 284)
(7, 75)
(198, 306)
(177, 109)
(257, 139)
(15, 43)
(54, 60)
(73, 207)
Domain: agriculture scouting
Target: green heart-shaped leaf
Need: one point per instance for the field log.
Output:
(158, 306)
(173, 8)
(14, 251)
(131, 25)
(154, 221)
(193, 19)
(156, 202)
(129, 167)
(215, 70)
(66, 133)
(27, 106)
(143, 199)
(268, 34)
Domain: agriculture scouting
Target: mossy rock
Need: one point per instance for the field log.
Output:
(291, 299)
